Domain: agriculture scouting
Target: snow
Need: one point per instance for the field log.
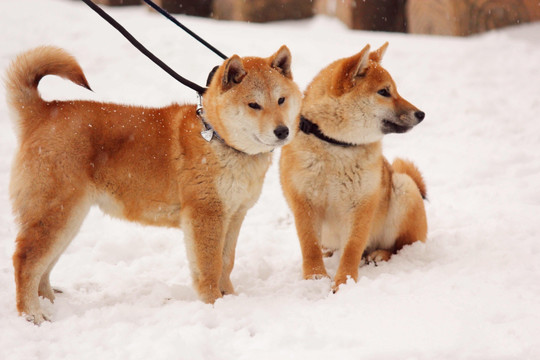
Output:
(470, 292)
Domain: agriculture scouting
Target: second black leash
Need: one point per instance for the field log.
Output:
(185, 28)
(199, 89)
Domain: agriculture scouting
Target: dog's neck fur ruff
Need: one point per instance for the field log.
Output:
(209, 132)
(308, 127)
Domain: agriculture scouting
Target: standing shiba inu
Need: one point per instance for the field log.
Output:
(342, 191)
(149, 165)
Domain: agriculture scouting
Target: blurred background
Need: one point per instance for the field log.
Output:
(439, 17)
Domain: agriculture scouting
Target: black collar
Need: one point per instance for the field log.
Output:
(308, 127)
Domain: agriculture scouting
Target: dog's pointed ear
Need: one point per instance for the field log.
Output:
(359, 63)
(233, 73)
(350, 69)
(281, 61)
(356, 65)
(378, 54)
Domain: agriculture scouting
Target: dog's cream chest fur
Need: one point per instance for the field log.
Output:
(336, 181)
(240, 178)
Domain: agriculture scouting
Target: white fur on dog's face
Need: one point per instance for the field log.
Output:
(370, 115)
(257, 108)
(362, 121)
(253, 117)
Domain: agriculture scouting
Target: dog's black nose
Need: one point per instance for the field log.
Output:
(281, 132)
(420, 115)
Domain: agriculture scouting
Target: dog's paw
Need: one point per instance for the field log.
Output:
(227, 290)
(315, 273)
(37, 318)
(47, 293)
(327, 252)
(316, 277)
(210, 296)
(343, 278)
(336, 285)
(378, 256)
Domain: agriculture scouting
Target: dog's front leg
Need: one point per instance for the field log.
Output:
(229, 249)
(308, 222)
(204, 233)
(353, 250)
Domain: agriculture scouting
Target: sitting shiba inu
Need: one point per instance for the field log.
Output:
(342, 191)
(157, 166)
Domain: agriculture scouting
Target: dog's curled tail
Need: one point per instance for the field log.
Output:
(408, 167)
(27, 70)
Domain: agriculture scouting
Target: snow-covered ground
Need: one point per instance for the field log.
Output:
(472, 291)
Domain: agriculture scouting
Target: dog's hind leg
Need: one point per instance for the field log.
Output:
(407, 212)
(47, 228)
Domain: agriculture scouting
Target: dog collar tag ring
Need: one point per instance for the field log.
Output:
(208, 133)
(199, 109)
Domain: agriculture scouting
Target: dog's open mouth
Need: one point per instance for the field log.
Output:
(389, 127)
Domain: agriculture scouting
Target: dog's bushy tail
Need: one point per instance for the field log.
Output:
(408, 167)
(23, 77)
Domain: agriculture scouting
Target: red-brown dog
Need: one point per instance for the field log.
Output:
(149, 165)
(342, 191)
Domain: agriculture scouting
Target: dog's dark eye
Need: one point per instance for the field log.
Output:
(384, 92)
(255, 106)
(281, 100)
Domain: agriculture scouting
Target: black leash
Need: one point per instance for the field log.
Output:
(308, 127)
(183, 27)
(199, 89)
